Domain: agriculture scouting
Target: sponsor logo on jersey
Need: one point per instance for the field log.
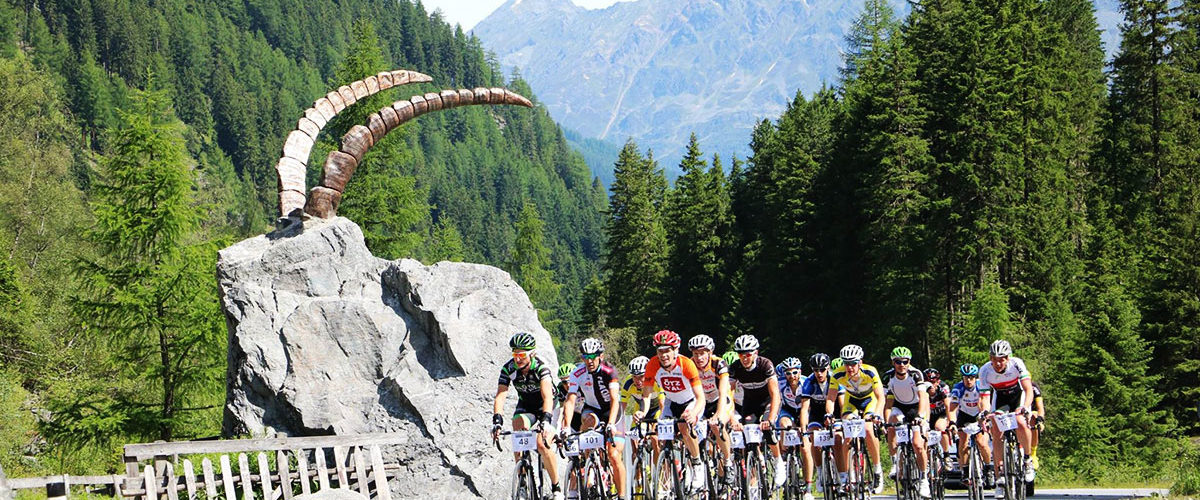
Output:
(672, 384)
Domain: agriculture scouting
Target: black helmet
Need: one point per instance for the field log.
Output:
(818, 361)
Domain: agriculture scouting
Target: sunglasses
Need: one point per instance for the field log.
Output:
(520, 354)
(793, 373)
(590, 356)
(900, 361)
(665, 348)
(850, 363)
(821, 370)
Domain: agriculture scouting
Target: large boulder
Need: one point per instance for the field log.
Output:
(325, 338)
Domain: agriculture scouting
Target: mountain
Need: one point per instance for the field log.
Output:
(658, 70)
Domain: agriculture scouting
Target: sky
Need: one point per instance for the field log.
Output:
(469, 12)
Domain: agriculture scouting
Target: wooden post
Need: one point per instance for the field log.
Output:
(58, 490)
(339, 458)
(189, 477)
(151, 483)
(244, 472)
(382, 490)
(172, 482)
(132, 471)
(6, 493)
(322, 472)
(302, 465)
(264, 476)
(210, 481)
(227, 478)
(360, 470)
(285, 475)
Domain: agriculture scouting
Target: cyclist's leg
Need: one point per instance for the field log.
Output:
(918, 442)
(521, 420)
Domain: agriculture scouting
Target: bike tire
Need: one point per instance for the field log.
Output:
(829, 488)
(752, 487)
(976, 483)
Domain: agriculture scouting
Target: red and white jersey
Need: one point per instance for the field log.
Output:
(676, 382)
(1008, 381)
(710, 377)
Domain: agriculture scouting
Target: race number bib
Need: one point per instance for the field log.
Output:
(855, 429)
(666, 430)
(823, 439)
(736, 439)
(591, 440)
(753, 434)
(571, 448)
(935, 436)
(902, 434)
(523, 441)
(701, 431)
(971, 429)
(792, 438)
(1006, 422)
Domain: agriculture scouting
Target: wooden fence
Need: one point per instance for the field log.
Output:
(250, 469)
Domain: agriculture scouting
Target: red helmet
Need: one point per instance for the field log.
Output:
(666, 337)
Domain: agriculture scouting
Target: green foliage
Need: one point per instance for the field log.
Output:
(636, 263)
(445, 243)
(529, 265)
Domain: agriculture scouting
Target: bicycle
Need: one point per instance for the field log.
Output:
(748, 460)
(973, 469)
(795, 486)
(908, 474)
(1014, 463)
(719, 487)
(861, 476)
(671, 473)
(643, 462)
(528, 481)
(592, 475)
(937, 472)
(827, 475)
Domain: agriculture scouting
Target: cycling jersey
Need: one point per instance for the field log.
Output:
(596, 388)
(862, 386)
(789, 398)
(710, 378)
(1007, 381)
(811, 389)
(937, 397)
(966, 399)
(631, 396)
(676, 382)
(754, 382)
(528, 383)
(905, 390)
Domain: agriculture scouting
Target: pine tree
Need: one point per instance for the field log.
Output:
(445, 243)
(149, 294)
(636, 259)
(530, 266)
(697, 227)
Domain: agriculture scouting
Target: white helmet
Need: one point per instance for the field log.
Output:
(852, 352)
(1001, 348)
(637, 366)
(702, 341)
(745, 343)
(591, 346)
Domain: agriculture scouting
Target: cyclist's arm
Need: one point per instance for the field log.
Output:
(614, 405)
(831, 395)
(1039, 406)
(773, 389)
(804, 404)
(547, 396)
(923, 404)
(568, 410)
(646, 388)
(952, 409)
(985, 401)
(1027, 393)
(887, 405)
(879, 395)
(501, 395)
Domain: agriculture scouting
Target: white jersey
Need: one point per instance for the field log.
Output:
(1007, 381)
(907, 390)
(790, 397)
(966, 399)
(597, 389)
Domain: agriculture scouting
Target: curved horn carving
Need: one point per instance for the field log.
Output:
(339, 165)
(293, 164)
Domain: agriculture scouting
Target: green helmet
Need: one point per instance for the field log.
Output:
(901, 352)
(835, 364)
(564, 370)
(730, 357)
(522, 340)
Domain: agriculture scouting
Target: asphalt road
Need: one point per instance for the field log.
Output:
(1075, 493)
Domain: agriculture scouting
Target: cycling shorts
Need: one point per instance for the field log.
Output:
(934, 416)
(909, 412)
(859, 404)
(675, 410)
(816, 417)
(757, 411)
(710, 409)
(1006, 401)
(618, 432)
(965, 418)
(768, 436)
(789, 412)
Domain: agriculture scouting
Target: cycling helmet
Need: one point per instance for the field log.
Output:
(835, 363)
(901, 352)
(729, 357)
(666, 337)
(818, 361)
(637, 366)
(522, 340)
(1001, 348)
(565, 369)
(969, 370)
(852, 352)
(932, 373)
(790, 363)
(745, 343)
(591, 346)
(702, 341)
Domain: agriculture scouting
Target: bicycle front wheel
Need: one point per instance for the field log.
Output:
(754, 489)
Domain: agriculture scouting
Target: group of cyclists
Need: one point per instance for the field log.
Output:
(742, 388)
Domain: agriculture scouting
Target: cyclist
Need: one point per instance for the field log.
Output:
(564, 373)
(596, 383)
(938, 392)
(1004, 384)
(1039, 419)
(679, 379)
(863, 393)
(963, 408)
(535, 399)
(631, 389)
(790, 407)
(812, 410)
(714, 376)
(907, 400)
(755, 374)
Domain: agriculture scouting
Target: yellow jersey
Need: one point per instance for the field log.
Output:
(631, 397)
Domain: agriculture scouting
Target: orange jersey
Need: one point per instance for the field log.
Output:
(677, 382)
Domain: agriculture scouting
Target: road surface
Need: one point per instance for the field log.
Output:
(1076, 493)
